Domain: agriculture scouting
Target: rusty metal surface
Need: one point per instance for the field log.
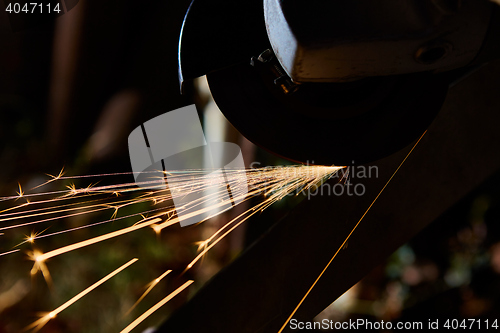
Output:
(260, 289)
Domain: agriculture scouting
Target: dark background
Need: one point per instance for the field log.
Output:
(72, 89)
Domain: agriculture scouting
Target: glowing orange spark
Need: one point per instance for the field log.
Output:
(31, 238)
(156, 307)
(72, 189)
(71, 247)
(156, 228)
(151, 285)
(9, 252)
(349, 235)
(20, 193)
(54, 178)
(40, 266)
(272, 184)
(274, 194)
(45, 319)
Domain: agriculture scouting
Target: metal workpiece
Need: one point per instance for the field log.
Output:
(277, 271)
(332, 41)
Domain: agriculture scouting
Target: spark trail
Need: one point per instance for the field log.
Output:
(152, 205)
(271, 183)
(52, 314)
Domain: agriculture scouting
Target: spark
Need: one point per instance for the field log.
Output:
(54, 178)
(40, 266)
(9, 252)
(157, 228)
(98, 223)
(150, 287)
(37, 325)
(207, 247)
(271, 184)
(20, 193)
(349, 235)
(72, 190)
(275, 194)
(53, 218)
(39, 257)
(158, 305)
(31, 238)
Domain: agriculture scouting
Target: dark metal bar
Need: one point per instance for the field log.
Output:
(260, 289)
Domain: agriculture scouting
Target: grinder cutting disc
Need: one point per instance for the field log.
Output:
(341, 123)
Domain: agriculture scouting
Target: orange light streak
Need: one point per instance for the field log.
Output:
(42, 321)
(151, 285)
(348, 236)
(158, 305)
(71, 247)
